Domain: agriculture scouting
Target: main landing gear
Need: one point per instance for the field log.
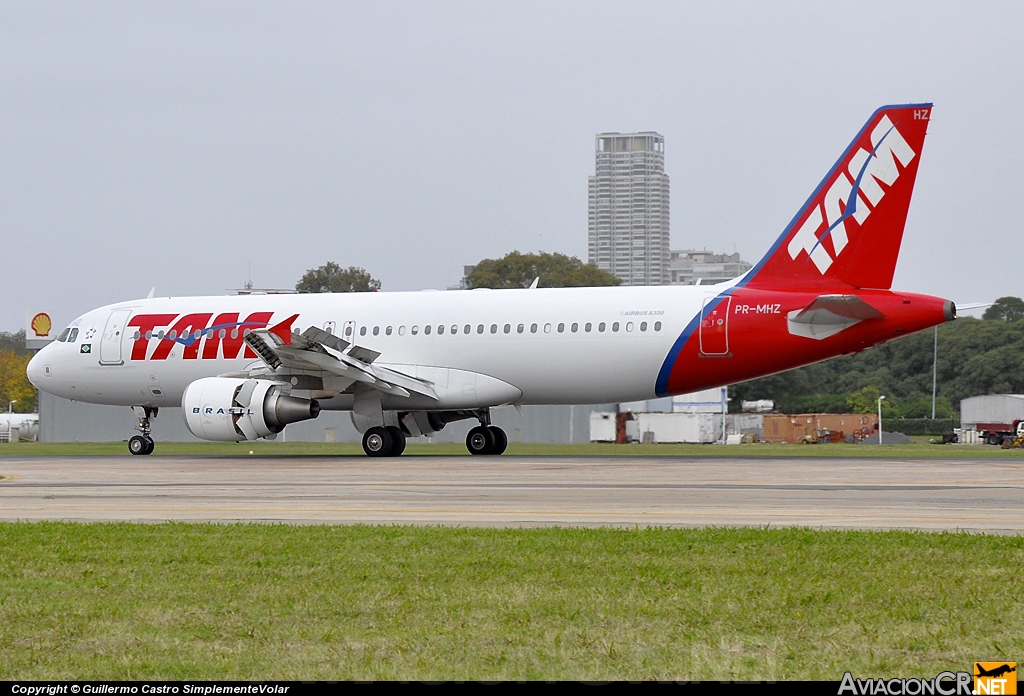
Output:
(486, 438)
(384, 441)
(389, 440)
(143, 443)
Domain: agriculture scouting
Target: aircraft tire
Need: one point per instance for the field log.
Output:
(480, 440)
(138, 445)
(397, 441)
(150, 444)
(500, 439)
(377, 442)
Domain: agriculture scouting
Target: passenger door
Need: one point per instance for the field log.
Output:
(714, 326)
(113, 334)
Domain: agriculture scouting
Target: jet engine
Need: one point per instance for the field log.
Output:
(231, 410)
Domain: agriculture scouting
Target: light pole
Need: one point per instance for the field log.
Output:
(935, 368)
(880, 419)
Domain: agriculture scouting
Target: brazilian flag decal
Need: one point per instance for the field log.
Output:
(86, 348)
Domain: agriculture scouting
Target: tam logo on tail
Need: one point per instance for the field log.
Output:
(851, 227)
(845, 198)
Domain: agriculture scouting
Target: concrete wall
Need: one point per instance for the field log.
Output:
(61, 420)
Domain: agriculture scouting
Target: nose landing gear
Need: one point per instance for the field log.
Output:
(143, 443)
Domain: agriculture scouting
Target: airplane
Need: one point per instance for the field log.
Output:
(407, 363)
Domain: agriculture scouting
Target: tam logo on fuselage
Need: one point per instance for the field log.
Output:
(223, 338)
(860, 181)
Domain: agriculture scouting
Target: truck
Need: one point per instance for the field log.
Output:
(998, 433)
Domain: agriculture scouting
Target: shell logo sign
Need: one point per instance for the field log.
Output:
(41, 325)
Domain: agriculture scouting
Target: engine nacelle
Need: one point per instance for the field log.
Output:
(228, 409)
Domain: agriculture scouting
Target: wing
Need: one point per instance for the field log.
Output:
(286, 353)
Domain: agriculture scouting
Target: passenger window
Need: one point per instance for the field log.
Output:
(494, 328)
(508, 327)
(547, 328)
(135, 337)
(415, 329)
(401, 330)
(160, 335)
(479, 328)
(600, 327)
(173, 335)
(519, 329)
(362, 330)
(533, 328)
(466, 329)
(440, 328)
(426, 329)
(387, 331)
(561, 328)
(615, 326)
(376, 330)
(74, 336)
(629, 326)
(149, 335)
(657, 326)
(223, 334)
(575, 327)
(246, 332)
(587, 327)
(64, 335)
(234, 333)
(643, 326)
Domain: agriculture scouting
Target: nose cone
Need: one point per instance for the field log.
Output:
(35, 368)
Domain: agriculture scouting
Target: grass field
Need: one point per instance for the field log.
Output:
(920, 448)
(174, 601)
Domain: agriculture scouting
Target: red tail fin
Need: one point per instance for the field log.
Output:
(851, 227)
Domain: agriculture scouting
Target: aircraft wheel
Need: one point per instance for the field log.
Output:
(500, 439)
(138, 445)
(150, 444)
(377, 442)
(480, 440)
(397, 440)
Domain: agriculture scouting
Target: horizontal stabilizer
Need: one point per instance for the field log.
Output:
(827, 315)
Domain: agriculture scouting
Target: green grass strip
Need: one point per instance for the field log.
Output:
(177, 601)
(913, 450)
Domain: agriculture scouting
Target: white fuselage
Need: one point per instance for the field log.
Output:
(552, 346)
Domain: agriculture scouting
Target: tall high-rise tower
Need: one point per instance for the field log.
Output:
(628, 220)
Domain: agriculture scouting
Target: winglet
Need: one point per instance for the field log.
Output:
(284, 329)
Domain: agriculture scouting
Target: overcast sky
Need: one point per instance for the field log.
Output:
(180, 145)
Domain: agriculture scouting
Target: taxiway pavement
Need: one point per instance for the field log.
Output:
(927, 494)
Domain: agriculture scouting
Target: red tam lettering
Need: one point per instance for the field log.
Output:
(184, 326)
(145, 324)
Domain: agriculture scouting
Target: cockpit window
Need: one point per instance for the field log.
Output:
(64, 334)
(74, 336)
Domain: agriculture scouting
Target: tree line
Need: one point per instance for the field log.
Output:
(14, 384)
(975, 357)
(514, 270)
